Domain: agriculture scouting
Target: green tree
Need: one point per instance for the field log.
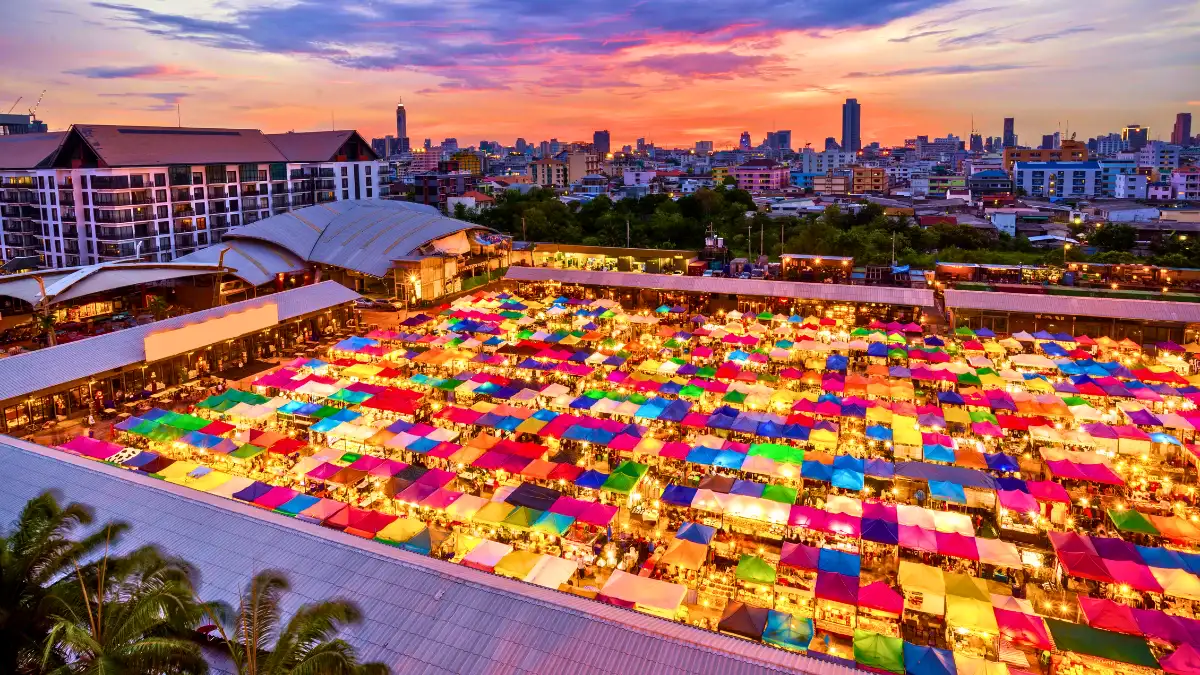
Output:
(261, 642)
(39, 570)
(134, 615)
(1114, 237)
(159, 307)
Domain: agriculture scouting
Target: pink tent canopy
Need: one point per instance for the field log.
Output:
(385, 469)
(918, 538)
(882, 597)
(91, 447)
(275, 497)
(808, 517)
(1158, 625)
(1185, 661)
(800, 556)
(569, 506)
(441, 499)
(324, 471)
(956, 545)
(1026, 629)
(597, 514)
(837, 587)
(1133, 573)
(1048, 491)
(1109, 615)
(1015, 500)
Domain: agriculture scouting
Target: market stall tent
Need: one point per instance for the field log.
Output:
(644, 594)
(879, 651)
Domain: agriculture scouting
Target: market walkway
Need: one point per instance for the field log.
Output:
(422, 614)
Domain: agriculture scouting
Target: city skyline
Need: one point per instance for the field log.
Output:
(918, 67)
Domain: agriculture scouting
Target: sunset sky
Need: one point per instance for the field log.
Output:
(673, 71)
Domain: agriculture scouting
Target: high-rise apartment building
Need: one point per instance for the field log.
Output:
(401, 128)
(851, 119)
(1010, 136)
(704, 147)
(1135, 136)
(976, 143)
(831, 143)
(1181, 133)
(602, 142)
(744, 142)
(99, 193)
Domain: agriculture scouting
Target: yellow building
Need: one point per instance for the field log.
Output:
(580, 164)
(469, 162)
(831, 183)
(1071, 151)
(869, 179)
(719, 174)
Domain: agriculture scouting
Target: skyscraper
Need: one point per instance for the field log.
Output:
(402, 127)
(744, 141)
(1010, 136)
(783, 139)
(602, 142)
(1135, 135)
(1182, 133)
(641, 145)
(851, 120)
(976, 143)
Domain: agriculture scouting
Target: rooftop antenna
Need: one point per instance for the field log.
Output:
(178, 115)
(332, 125)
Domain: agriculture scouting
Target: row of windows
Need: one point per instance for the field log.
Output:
(183, 175)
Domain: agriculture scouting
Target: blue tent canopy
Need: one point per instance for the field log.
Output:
(953, 474)
(1161, 557)
(985, 333)
(879, 468)
(728, 459)
(921, 660)
(679, 495)
(702, 455)
(1011, 484)
(831, 560)
(879, 432)
(816, 471)
(950, 398)
(1001, 462)
(788, 632)
(836, 362)
(696, 533)
(591, 479)
(939, 453)
(326, 425)
(297, 504)
(881, 531)
(947, 491)
(877, 349)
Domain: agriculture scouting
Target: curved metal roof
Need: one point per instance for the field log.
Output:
(255, 262)
(361, 235)
(71, 283)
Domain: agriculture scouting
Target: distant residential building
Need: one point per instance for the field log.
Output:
(101, 193)
(802, 179)
(1069, 180)
(472, 200)
(704, 147)
(851, 125)
(1110, 171)
(989, 185)
(1131, 186)
(469, 161)
(744, 142)
(436, 189)
(1181, 133)
(638, 177)
(1070, 151)
(1161, 157)
(940, 184)
(1159, 191)
(424, 162)
(821, 162)
(690, 186)
(831, 183)
(1010, 136)
(759, 175)
(1135, 136)
(1047, 142)
(1185, 183)
(866, 180)
(719, 174)
(548, 173)
(11, 125)
(1111, 145)
(580, 164)
(602, 142)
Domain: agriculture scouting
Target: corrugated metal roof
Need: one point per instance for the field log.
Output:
(74, 282)
(313, 146)
(1105, 308)
(158, 146)
(420, 614)
(361, 235)
(915, 297)
(24, 374)
(26, 151)
(252, 261)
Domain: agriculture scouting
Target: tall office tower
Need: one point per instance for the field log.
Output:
(851, 121)
(641, 145)
(521, 145)
(704, 147)
(1182, 133)
(1135, 136)
(976, 143)
(783, 139)
(1010, 136)
(1047, 142)
(402, 127)
(602, 142)
(744, 141)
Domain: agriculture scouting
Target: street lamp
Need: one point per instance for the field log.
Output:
(1066, 247)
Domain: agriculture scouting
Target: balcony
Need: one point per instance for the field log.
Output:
(302, 200)
(217, 207)
(325, 185)
(252, 203)
(70, 233)
(323, 197)
(22, 227)
(183, 212)
(181, 195)
(279, 201)
(17, 197)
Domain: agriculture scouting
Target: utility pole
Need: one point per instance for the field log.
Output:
(749, 241)
(626, 231)
(523, 237)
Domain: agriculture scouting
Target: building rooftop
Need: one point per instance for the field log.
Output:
(27, 151)
(360, 235)
(26, 373)
(421, 615)
(1060, 165)
(1106, 308)
(121, 146)
(71, 283)
(318, 146)
(913, 297)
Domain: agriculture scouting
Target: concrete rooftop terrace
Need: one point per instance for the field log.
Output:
(422, 615)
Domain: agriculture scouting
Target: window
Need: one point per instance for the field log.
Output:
(345, 194)
(278, 171)
(197, 178)
(42, 180)
(199, 193)
(215, 173)
(179, 175)
(230, 176)
(368, 191)
(345, 182)
(160, 180)
(83, 181)
(344, 171)
(51, 179)
(160, 195)
(162, 211)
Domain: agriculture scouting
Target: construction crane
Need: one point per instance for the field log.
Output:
(33, 110)
(15, 103)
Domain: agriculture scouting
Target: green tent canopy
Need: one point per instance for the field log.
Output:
(523, 517)
(964, 331)
(879, 651)
(780, 493)
(247, 451)
(1132, 521)
(620, 483)
(754, 569)
(1081, 639)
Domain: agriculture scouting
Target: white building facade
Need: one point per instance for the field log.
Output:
(1068, 180)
